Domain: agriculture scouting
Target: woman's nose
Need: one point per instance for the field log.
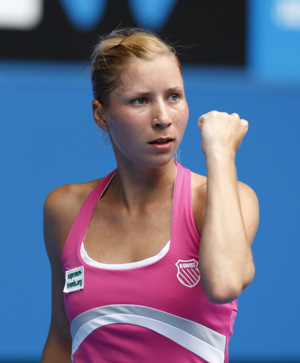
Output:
(161, 116)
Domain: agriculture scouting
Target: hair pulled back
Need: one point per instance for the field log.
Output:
(116, 50)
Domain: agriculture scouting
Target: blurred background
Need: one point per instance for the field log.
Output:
(238, 56)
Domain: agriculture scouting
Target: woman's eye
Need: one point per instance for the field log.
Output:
(139, 101)
(174, 97)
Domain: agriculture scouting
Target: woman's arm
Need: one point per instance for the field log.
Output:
(58, 344)
(231, 216)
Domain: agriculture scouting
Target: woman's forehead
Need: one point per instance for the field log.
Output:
(144, 72)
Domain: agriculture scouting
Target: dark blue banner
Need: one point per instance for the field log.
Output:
(210, 32)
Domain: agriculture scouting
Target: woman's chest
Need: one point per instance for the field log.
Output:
(126, 238)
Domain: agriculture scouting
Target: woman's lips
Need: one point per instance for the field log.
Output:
(162, 143)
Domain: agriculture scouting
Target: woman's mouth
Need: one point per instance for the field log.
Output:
(162, 143)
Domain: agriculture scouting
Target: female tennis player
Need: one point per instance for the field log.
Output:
(149, 260)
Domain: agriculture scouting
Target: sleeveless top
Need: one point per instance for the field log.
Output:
(148, 311)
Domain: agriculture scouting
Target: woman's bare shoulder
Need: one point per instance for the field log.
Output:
(199, 187)
(61, 208)
(198, 181)
(67, 197)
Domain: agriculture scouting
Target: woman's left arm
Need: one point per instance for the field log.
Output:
(231, 215)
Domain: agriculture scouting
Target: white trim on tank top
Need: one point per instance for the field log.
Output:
(123, 266)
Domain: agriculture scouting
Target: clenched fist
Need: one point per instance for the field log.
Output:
(221, 133)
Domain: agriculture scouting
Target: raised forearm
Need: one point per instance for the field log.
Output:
(229, 227)
(225, 253)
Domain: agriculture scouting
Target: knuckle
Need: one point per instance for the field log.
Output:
(246, 123)
(214, 113)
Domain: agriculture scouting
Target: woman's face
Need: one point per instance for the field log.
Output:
(147, 113)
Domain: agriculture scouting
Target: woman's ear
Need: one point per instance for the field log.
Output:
(99, 115)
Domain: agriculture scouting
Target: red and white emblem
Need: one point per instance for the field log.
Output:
(188, 272)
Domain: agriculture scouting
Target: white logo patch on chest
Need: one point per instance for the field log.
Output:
(74, 279)
(188, 272)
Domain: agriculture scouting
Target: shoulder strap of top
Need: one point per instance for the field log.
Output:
(183, 225)
(79, 228)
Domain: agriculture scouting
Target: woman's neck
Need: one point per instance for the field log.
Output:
(137, 188)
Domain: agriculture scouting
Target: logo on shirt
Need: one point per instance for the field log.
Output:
(188, 272)
(74, 279)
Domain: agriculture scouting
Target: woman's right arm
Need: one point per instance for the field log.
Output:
(58, 344)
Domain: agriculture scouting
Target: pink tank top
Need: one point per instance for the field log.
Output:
(153, 310)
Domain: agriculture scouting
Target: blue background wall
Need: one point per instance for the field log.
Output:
(48, 138)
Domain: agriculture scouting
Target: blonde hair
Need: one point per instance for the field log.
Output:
(115, 50)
